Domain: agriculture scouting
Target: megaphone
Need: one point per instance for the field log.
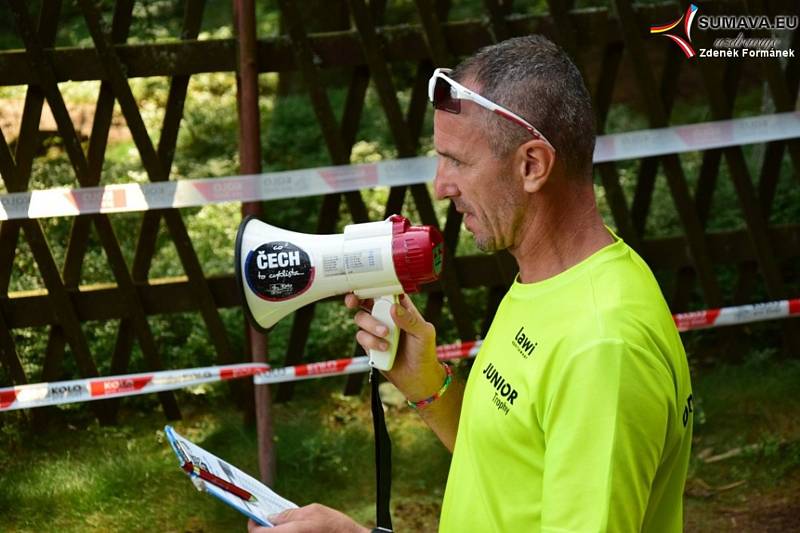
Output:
(279, 271)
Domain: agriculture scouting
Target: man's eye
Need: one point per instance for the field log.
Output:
(455, 162)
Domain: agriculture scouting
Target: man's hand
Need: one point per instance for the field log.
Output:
(416, 371)
(309, 519)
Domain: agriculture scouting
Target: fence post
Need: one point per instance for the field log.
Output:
(250, 163)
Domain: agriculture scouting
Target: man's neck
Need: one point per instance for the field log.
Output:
(558, 236)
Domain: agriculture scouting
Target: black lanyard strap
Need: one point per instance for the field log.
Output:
(383, 459)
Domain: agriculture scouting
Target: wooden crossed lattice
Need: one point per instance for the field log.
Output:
(601, 41)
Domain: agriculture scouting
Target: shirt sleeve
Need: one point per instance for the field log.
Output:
(605, 421)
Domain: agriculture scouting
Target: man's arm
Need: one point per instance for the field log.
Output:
(443, 414)
(417, 373)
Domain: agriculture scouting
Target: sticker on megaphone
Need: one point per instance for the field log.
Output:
(278, 271)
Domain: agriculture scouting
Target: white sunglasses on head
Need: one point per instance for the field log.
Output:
(446, 94)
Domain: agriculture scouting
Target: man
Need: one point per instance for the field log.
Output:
(577, 412)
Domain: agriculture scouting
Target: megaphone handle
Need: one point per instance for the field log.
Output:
(380, 310)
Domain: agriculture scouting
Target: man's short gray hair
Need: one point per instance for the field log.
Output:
(534, 78)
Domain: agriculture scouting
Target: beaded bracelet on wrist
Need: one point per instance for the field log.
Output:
(427, 401)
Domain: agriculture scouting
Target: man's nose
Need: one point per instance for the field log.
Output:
(443, 185)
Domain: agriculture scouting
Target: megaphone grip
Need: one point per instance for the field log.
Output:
(383, 360)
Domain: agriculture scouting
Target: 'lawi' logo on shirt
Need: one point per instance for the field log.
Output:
(524, 345)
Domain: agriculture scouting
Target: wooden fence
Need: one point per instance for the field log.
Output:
(611, 45)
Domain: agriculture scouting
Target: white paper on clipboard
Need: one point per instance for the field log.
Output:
(264, 502)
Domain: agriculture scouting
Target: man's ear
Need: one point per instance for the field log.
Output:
(535, 160)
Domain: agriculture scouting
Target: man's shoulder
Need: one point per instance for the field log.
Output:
(615, 298)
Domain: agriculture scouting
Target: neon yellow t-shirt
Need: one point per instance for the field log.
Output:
(577, 413)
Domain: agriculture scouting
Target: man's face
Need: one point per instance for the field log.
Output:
(481, 185)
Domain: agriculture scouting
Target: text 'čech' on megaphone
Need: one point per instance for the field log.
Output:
(278, 271)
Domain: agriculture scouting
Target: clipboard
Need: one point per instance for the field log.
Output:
(224, 481)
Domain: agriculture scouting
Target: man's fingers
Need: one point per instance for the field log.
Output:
(290, 520)
(371, 342)
(372, 332)
(252, 527)
(406, 301)
(300, 526)
(309, 519)
(351, 301)
(286, 516)
(408, 318)
(288, 527)
(369, 323)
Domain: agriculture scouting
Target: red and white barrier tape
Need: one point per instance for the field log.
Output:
(726, 316)
(80, 390)
(353, 365)
(742, 314)
(101, 388)
(316, 181)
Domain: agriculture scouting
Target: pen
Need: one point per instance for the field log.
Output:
(205, 475)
